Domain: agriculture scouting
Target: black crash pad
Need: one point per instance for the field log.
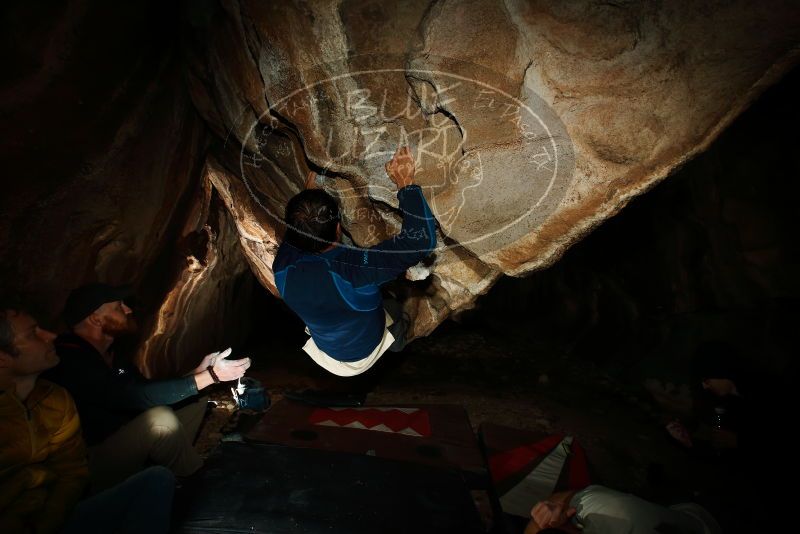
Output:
(258, 488)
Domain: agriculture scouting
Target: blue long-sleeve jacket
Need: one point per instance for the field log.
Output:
(337, 293)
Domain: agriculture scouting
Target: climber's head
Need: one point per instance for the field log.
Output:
(312, 221)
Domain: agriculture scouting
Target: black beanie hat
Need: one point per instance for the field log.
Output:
(86, 299)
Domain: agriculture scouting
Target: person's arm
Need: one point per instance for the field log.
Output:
(143, 394)
(555, 512)
(532, 527)
(226, 371)
(14, 483)
(416, 239)
(15, 477)
(138, 393)
(69, 466)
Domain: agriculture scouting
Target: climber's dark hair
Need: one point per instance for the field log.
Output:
(311, 218)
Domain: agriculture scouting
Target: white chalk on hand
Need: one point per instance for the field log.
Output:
(418, 272)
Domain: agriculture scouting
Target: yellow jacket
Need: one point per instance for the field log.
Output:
(43, 467)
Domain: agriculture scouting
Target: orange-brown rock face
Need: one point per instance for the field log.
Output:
(203, 307)
(532, 122)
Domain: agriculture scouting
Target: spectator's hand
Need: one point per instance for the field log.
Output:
(401, 167)
(211, 359)
(551, 514)
(679, 433)
(311, 180)
(724, 439)
(228, 370)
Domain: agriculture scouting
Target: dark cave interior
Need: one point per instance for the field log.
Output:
(107, 143)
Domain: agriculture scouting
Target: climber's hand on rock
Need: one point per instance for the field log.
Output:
(311, 180)
(401, 167)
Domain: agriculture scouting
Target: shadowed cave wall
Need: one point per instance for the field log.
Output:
(708, 255)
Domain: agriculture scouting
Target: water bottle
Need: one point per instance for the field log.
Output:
(250, 394)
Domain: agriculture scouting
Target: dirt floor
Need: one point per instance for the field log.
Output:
(511, 383)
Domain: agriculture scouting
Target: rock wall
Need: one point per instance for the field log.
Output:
(99, 144)
(532, 122)
(103, 155)
(708, 255)
(210, 292)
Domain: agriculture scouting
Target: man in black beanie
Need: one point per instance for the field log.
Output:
(129, 421)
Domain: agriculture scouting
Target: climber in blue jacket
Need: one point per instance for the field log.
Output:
(335, 288)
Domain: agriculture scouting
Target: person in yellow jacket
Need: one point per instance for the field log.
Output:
(43, 465)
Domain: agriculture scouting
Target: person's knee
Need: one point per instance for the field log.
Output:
(162, 421)
(159, 473)
(158, 478)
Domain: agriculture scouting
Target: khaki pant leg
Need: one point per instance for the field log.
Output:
(191, 416)
(155, 436)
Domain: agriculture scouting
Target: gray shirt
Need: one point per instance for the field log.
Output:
(600, 510)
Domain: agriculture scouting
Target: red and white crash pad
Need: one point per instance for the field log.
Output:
(527, 467)
(436, 435)
(408, 421)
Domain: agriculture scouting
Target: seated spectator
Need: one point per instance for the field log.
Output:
(129, 421)
(600, 510)
(43, 465)
(43, 469)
